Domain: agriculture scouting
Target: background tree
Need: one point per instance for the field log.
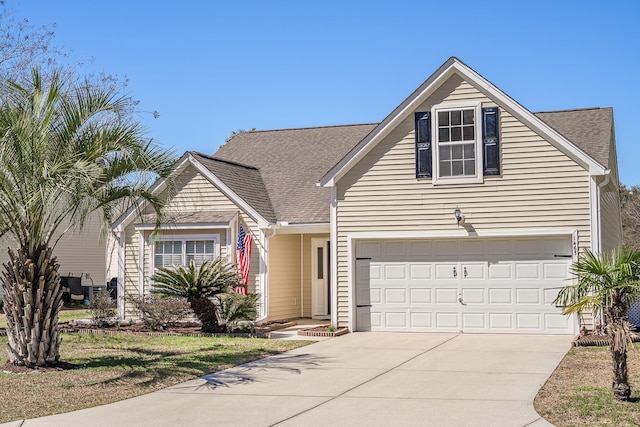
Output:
(67, 149)
(630, 205)
(200, 285)
(607, 282)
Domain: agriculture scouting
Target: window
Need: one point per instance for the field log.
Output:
(465, 137)
(167, 253)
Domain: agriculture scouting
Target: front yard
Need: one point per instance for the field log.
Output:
(579, 393)
(118, 367)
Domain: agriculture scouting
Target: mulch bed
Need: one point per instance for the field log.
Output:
(596, 340)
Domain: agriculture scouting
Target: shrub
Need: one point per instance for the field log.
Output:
(234, 308)
(102, 309)
(159, 312)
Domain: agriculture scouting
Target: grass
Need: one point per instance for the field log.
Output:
(66, 315)
(578, 393)
(123, 366)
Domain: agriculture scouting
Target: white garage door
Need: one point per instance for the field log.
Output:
(469, 285)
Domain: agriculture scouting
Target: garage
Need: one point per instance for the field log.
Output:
(471, 285)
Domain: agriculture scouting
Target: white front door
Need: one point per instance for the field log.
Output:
(320, 289)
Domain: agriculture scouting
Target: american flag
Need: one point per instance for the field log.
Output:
(243, 258)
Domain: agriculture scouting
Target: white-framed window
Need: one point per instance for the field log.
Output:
(180, 250)
(457, 141)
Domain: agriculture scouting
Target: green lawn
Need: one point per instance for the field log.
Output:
(124, 366)
(579, 393)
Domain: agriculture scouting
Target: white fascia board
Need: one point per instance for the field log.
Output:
(243, 205)
(191, 226)
(156, 188)
(333, 214)
(450, 67)
(320, 228)
(463, 234)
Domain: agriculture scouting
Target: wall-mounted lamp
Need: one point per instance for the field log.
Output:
(459, 217)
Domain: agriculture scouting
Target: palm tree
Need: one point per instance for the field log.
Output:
(607, 282)
(200, 285)
(67, 149)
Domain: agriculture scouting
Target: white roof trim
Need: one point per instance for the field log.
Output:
(450, 67)
(316, 228)
(160, 185)
(240, 202)
(126, 218)
(190, 226)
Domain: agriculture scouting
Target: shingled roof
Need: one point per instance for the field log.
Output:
(590, 129)
(246, 181)
(276, 171)
(291, 162)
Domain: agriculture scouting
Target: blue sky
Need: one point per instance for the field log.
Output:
(212, 67)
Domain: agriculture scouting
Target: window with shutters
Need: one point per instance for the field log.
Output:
(457, 144)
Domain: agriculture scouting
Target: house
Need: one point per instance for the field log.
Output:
(460, 211)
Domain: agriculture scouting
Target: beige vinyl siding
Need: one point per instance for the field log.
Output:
(284, 277)
(191, 192)
(78, 252)
(610, 215)
(540, 188)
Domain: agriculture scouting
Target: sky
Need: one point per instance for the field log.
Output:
(213, 67)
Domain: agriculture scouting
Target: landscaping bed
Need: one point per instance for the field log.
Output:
(323, 331)
(578, 393)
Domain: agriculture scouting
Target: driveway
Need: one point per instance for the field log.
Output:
(368, 379)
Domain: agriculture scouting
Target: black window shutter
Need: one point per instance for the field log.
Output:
(423, 144)
(491, 141)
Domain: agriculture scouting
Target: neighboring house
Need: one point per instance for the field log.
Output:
(460, 211)
(80, 254)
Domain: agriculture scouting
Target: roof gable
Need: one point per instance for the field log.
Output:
(245, 181)
(409, 105)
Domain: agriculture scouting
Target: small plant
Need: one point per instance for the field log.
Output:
(159, 312)
(234, 308)
(331, 328)
(102, 309)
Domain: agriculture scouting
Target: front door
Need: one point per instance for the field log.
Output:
(320, 283)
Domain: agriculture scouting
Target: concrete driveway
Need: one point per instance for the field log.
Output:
(368, 379)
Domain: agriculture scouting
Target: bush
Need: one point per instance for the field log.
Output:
(234, 308)
(102, 309)
(159, 312)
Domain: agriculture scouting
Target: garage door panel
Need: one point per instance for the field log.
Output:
(473, 296)
(420, 319)
(446, 296)
(395, 296)
(500, 296)
(500, 271)
(554, 271)
(527, 270)
(395, 271)
(527, 296)
(474, 320)
(502, 321)
(396, 319)
(448, 271)
(550, 295)
(420, 271)
(556, 321)
(420, 296)
(529, 321)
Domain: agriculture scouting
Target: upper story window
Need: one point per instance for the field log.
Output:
(466, 143)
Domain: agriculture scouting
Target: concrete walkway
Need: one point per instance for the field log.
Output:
(360, 379)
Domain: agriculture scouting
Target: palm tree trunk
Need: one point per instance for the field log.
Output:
(207, 313)
(33, 298)
(617, 316)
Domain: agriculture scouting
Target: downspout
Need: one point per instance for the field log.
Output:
(267, 234)
(301, 274)
(598, 232)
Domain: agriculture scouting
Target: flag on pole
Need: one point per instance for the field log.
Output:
(243, 258)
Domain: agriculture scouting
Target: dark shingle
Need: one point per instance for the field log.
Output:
(590, 129)
(245, 181)
(291, 162)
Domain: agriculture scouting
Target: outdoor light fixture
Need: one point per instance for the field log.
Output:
(459, 217)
